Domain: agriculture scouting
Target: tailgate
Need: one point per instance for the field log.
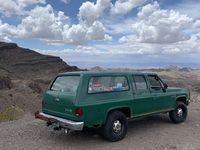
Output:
(60, 98)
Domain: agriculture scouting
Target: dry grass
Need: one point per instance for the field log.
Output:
(11, 113)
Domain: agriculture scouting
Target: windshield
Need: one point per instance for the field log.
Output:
(67, 84)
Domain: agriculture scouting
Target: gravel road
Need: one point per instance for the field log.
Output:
(156, 132)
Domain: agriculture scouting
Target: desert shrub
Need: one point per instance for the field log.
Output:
(5, 83)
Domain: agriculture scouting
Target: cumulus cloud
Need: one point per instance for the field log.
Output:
(7, 30)
(197, 24)
(125, 6)
(17, 7)
(41, 22)
(161, 32)
(96, 31)
(79, 34)
(48, 25)
(4, 38)
(75, 35)
(89, 12)
(44, 23)
(190, 46)
(156, 25)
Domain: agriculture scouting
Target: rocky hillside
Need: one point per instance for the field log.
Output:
(24, 76)
(24, 63)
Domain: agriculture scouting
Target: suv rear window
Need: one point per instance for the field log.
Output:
(66, 84)
(107, 84)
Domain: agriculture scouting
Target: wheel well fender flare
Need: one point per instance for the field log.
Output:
(182, 98)
(124, 109)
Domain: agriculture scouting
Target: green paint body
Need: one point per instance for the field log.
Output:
(96, 106)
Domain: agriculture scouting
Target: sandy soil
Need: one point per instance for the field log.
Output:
(156, 132)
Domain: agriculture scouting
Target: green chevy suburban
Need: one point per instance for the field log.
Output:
(108, 99)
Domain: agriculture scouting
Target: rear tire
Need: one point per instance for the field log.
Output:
(115, 128)
(179, 114)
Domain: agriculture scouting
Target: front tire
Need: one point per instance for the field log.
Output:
(179, 114)
(115, 128)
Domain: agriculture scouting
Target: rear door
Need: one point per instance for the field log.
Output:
(60, 99)
(142, 99)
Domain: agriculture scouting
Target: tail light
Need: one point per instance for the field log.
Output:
(78, 112)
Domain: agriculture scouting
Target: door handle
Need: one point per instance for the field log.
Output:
(57, 99)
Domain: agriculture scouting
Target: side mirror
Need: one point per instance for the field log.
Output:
(165, 86)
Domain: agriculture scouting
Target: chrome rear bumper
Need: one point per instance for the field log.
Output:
(64, 123)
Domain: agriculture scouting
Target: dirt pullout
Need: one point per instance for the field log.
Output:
(152, 133)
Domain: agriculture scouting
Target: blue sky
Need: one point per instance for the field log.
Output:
(108, 33)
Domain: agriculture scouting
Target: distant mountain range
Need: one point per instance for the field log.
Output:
(132, 65)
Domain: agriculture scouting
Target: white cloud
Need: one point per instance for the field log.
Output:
(161, 32)
(25, 3)
(80, 33)
(65, 1)
(190, 46)
(90, 12)
(44, 23)
(5, 38)
(40, 22)
(17, 7)
(197, 24)
(89, 50)
(127, 39)
(125, 6)
(107, 37)
(7, 30)
(75, 35)
(132, 54)
(156, 25)
(96, 31)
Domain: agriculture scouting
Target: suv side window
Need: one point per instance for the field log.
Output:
(154, 81)
(107, 84)
(139, 82)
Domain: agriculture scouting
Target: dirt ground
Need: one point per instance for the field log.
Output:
(155, 132)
